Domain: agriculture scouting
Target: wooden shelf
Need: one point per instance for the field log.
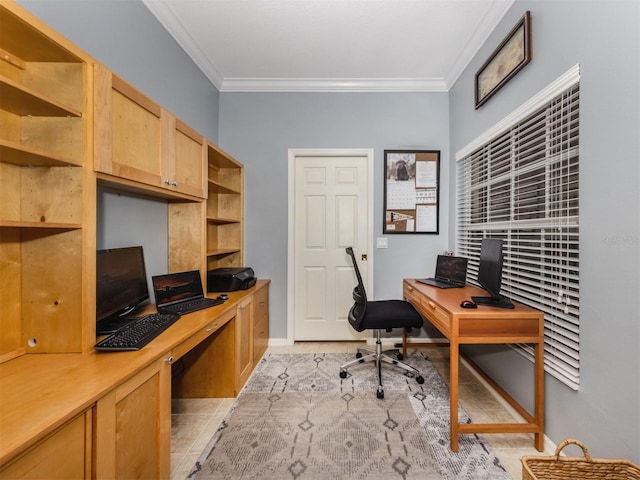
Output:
(52, 225)
(222, 251)
(222, 221)
(220, 159)
(18, 154)
(216, 187)
(21, 100)
(30, 44)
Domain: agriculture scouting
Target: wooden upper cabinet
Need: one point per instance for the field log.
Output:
(137, 140)
(184, 158)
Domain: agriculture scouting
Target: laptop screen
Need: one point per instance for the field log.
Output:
(451, 268)
(177, 287)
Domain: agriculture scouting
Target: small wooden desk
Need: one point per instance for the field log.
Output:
(484, 325)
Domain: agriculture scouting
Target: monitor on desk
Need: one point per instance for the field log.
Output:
(490, 274)
(121, 286)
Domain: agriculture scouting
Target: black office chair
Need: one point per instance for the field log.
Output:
(379, 315)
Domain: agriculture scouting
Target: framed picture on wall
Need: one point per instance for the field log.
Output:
(515, 51)
(411, 191)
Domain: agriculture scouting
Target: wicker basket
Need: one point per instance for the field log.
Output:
(577, 468)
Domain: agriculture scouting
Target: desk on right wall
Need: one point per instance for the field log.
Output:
(484, 325)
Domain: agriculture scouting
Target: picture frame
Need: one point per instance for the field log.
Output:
(511, 56)
(411, 192)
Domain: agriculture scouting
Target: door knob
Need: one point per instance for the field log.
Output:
(364, 257)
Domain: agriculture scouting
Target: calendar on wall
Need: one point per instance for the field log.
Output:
(411, 191)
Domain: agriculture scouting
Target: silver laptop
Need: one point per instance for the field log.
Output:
(181, 293)
(451, 272)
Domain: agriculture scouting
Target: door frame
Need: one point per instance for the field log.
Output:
(323, 152)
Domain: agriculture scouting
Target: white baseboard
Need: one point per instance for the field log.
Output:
(280, 342)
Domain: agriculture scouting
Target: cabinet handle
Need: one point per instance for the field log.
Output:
(169, 359)
(211, 329)
(432, 305)
(167, 181)
(175, 183)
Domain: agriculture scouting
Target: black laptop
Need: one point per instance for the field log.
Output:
(451, 272)
(181, 293)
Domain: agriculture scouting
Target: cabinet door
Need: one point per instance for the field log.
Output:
(136, 139)
(133, 427)
(184, 163)
(127, 130)
(71, 442)
(244, 341)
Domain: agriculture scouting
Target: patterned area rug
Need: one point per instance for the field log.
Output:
(297, 419)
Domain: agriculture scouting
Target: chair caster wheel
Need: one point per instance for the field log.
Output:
(400, 357)
(419, 379)
(359, 355)
(380, 394)
(343, 374)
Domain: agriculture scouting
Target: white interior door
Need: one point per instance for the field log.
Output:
(332, 197)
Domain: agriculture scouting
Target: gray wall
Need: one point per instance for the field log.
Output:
(259, 129)
(604, 38)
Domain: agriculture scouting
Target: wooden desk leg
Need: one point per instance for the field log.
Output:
(453, 389)
(539, 396)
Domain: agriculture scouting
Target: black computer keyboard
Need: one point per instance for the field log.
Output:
(191, 306)
(138, 333)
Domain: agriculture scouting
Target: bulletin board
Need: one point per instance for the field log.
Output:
(411, 191)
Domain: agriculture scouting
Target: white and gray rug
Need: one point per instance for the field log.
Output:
(297, 419)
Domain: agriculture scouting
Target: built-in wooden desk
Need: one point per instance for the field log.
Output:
(484, 325)
(108, 415)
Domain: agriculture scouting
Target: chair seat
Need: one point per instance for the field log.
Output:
(384, 314)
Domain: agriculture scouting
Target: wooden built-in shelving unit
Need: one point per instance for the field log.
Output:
(67, 125)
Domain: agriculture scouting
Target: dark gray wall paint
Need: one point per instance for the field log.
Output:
(260, 128)
(604, 38)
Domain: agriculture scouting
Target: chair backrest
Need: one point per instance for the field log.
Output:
(357, 311)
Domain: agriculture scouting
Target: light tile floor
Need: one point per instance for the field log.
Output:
(194, 421)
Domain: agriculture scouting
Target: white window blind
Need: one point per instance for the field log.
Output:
(521, 185)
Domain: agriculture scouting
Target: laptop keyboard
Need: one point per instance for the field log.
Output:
(435, 282)
(191, 305)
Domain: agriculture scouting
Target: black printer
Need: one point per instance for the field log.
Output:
(230, 279)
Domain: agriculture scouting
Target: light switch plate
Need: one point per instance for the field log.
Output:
(382, 242)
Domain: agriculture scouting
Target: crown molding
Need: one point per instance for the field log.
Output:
(333, 85)
(169, 20)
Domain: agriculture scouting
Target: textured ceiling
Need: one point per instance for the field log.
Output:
(330, 45)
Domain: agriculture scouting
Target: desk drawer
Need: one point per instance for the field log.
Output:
(411, 294)
(436, 315)
(261, 303)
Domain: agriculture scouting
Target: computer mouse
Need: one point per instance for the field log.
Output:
(468, 304)
(223, 296)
